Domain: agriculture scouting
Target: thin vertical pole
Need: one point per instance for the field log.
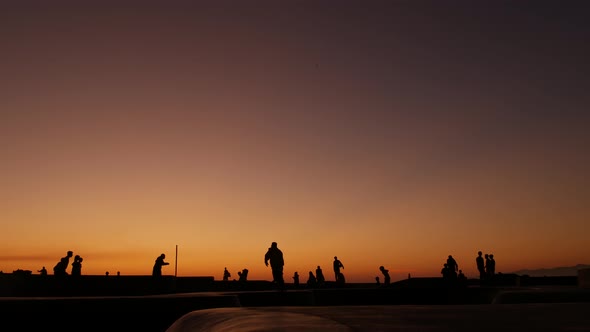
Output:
(176, 262)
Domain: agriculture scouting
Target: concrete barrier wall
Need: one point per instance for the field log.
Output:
(584, 278)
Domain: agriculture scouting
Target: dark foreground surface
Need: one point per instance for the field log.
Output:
(412, 318)
(425, 309)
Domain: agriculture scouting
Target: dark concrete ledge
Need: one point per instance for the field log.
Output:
(123, 313)
(556, 295)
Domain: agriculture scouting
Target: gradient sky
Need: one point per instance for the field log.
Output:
(387, 133)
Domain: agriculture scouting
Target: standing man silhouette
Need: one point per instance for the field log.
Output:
(480, 266)
(492, 267)
(157, 271)
(275, 256)
(337, 266)
(226, 274)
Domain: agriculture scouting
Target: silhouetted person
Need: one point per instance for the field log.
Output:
(243, 275)
(77, 266)
(461, 279)
(452, 266)
(296, 279)
(480, 266)
(377, 281)
(226, 274)
(337, 266)
(62, 265)
(492, 267)
(106, 274)
(445, 272)
(319, 275)
(157, 270)
(311, 280)
(386, 278)
(275, 256)
(487, 266)
(43, 271)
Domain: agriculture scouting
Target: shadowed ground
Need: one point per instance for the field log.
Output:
(547, 309)
(505, 317)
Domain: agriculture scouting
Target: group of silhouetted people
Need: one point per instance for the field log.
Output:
(274, 257)
(451, 273)
(60, 269)
(318, 279)
(450, 269)
(486, 267)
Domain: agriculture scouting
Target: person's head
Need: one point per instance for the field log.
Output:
(486, 255)
(335, 257)
(70, 253)
(162, 256)
(479, 253)
(491, 255)
(273, 245)
(450, 256)
(381, 267)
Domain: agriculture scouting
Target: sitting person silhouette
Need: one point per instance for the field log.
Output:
(226, 274)
(43, 271)
(311, 280)
(77, 266)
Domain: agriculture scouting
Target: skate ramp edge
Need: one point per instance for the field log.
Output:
(251, 319)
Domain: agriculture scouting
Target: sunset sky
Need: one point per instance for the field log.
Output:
(385, 133)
